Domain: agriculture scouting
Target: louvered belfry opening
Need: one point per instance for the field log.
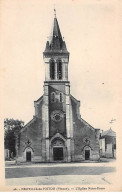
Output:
(52, 69)
(59, 69)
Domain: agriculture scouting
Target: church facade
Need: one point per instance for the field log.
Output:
(57, 133)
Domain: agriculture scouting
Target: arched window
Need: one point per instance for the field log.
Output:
(60, 97)
(59, 69)
(53, 97)
(52, 69)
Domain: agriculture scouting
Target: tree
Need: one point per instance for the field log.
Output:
(11, 127)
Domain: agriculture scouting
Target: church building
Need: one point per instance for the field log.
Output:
(57, 133)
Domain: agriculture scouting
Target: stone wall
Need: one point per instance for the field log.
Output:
(85, 136)
(55, 127)
(30, 139)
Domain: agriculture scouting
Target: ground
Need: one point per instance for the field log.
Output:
(60, 173)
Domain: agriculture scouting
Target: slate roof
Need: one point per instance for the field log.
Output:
(109, 132)
(55, 42)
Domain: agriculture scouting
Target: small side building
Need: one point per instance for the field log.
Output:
(7, 154)
(108, 144)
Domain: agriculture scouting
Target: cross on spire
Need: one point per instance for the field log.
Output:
(54, 12)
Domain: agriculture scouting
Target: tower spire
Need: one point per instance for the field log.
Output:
(56, 42)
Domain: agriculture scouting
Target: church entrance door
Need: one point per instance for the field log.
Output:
(28, 156)
(87, 154)
(58, 153)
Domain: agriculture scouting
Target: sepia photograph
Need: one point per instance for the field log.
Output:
(61, 95)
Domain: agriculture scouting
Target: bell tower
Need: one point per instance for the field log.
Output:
(56, 56)
(56, 114)
(57, 133)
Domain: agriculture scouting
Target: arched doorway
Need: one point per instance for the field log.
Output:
(87, 152)
(58, 150)
(58, 154)
(28, 156)
(28, 153)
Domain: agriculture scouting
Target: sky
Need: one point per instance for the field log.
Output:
(91, 30)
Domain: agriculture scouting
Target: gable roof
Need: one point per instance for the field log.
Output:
(40, 99)
(27, 125)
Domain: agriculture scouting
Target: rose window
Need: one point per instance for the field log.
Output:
(56, 116)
